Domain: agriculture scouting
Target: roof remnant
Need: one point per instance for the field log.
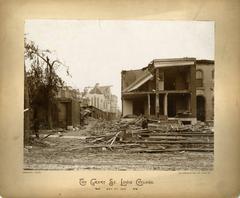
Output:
(139, 81)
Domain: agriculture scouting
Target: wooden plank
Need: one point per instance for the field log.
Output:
(168, 142)
(165, 138)
(114, 138)
(102, 146)
(176, 134)
(172, 150)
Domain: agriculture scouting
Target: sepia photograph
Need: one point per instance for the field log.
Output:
(119, 95)
(119, 98)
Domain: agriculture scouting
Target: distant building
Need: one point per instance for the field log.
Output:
(170, 88)
(101, 98)
(113, 104)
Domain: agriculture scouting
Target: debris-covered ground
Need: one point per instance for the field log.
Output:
(123, 145)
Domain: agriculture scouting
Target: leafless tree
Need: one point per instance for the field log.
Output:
(42, 79)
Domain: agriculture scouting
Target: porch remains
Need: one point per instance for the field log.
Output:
(164, 89)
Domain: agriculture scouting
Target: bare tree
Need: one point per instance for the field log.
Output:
(43, 81)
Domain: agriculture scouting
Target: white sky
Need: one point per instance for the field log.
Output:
(98, 50)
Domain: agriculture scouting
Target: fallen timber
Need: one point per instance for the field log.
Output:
(150, 131)
(102, 146)
(158, 137)
(178, 134)
(171, 150)
(167, 142)
(130, 137)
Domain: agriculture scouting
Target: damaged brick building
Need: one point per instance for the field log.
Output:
(205, 89)
(68, 107)
(168, 88)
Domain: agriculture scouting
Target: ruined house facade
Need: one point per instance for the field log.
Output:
(68, 107)
(205, 89)
(65, 109)
(166, 88)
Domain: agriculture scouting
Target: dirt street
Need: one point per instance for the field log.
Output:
(71, 152)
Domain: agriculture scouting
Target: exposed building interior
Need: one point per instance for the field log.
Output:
(164, 89)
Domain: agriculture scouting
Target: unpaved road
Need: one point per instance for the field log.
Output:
(57, 157)
(59, 154)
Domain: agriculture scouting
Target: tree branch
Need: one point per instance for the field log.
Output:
(56, 61)
(45, 60)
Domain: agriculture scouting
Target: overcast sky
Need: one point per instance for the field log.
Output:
(96, 51)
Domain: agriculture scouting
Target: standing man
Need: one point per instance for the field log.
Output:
(145, 122)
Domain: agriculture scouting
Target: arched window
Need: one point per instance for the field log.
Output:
(92, 101)
(199, 78)
(95, 101)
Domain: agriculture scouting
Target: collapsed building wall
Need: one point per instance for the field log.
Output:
(205, 89)
(68, 113)
(165, 88)
(170, 88)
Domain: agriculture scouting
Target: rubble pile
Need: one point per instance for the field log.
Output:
(159, 136)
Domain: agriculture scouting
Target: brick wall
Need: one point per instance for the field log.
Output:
(207, 89)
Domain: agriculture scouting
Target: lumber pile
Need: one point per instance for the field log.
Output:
(160, 136)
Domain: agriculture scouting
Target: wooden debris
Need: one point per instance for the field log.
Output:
(168, 142)
(160, 136)
(97, 139)
(102, 146)
(46, 136)
(172, 150)
(114, 138)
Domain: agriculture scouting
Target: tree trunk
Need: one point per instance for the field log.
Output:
(26, 111)
(49, 114)
(49, 108)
